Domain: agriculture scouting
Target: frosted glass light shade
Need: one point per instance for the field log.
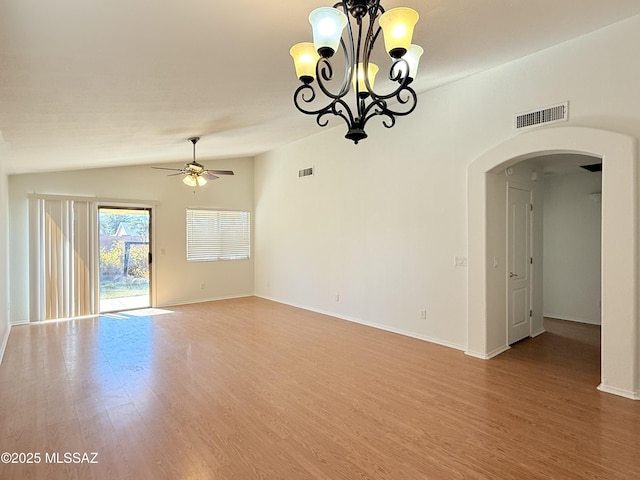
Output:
(413, 59)
(362, 86)
(190, 180)
(200, 180)
(327, 24)
(397, 27)
(194, 180)
(305, 58)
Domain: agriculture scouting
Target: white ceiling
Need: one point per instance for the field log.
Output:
(566, 164)
(117, 82)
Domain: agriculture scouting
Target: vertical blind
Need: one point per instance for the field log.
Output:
(61, 233)
(218, 235)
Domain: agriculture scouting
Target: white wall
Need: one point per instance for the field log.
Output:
(176, 280)
(4, 260)
(572, 229)
(378, 225)
(381, 222)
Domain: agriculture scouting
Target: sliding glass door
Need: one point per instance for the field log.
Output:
(124, 258)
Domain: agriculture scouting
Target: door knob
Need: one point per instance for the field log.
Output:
(511, 275)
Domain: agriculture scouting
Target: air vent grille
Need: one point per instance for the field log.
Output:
(544, 116)
(594, 167)
(305, 172)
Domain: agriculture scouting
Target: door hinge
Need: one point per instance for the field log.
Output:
(531, 207)
(531, 313)
(531, 260)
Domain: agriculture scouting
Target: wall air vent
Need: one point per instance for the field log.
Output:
(544, 116)
(305, 172)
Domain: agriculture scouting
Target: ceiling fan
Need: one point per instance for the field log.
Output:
(195, 175)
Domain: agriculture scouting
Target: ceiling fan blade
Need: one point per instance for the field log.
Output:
(209, 176)
(174, 174)
(166, 168)
(220, 172)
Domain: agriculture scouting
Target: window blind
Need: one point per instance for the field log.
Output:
(62, 280)
(218, 235)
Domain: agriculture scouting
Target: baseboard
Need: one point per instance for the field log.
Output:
(618, 391)
(368, 324)
(5, 340)
(488, 356)
(571, 319)
(203, 300)
(537, 332)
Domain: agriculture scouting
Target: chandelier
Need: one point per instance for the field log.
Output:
(354, 26)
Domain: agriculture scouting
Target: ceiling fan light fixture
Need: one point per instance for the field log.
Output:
(200, 180)
(195, 167)
(195, 175)
(190, 180)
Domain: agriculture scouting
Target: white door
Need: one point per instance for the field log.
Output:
(519, 263)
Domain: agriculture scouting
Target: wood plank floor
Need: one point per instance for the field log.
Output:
(251, 389)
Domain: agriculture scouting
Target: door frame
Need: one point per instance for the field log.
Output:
(620, 278)
(152, 229)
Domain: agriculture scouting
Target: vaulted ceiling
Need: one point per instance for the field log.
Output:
(117, 82)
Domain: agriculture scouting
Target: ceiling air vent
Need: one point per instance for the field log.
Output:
(594, 167)
(305, 172)
(544, 116)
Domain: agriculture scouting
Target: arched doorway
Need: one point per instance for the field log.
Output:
(486, 299)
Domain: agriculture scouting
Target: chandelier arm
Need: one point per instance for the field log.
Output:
(380, 107)
(411, 101)
(348, 117)
(407, 96)
(375, 108)
(349, 57)
(376, 8)
(299, 96)
(401, 77)
(401, 74)
(389, 122)
(331, 108)
(334, 109)
(356, 64)
(324, 73)
(368, 48)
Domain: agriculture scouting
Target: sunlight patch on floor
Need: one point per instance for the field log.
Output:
(143, 312)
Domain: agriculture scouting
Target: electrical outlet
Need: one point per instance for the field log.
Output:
(423, 314)
(202, 286)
